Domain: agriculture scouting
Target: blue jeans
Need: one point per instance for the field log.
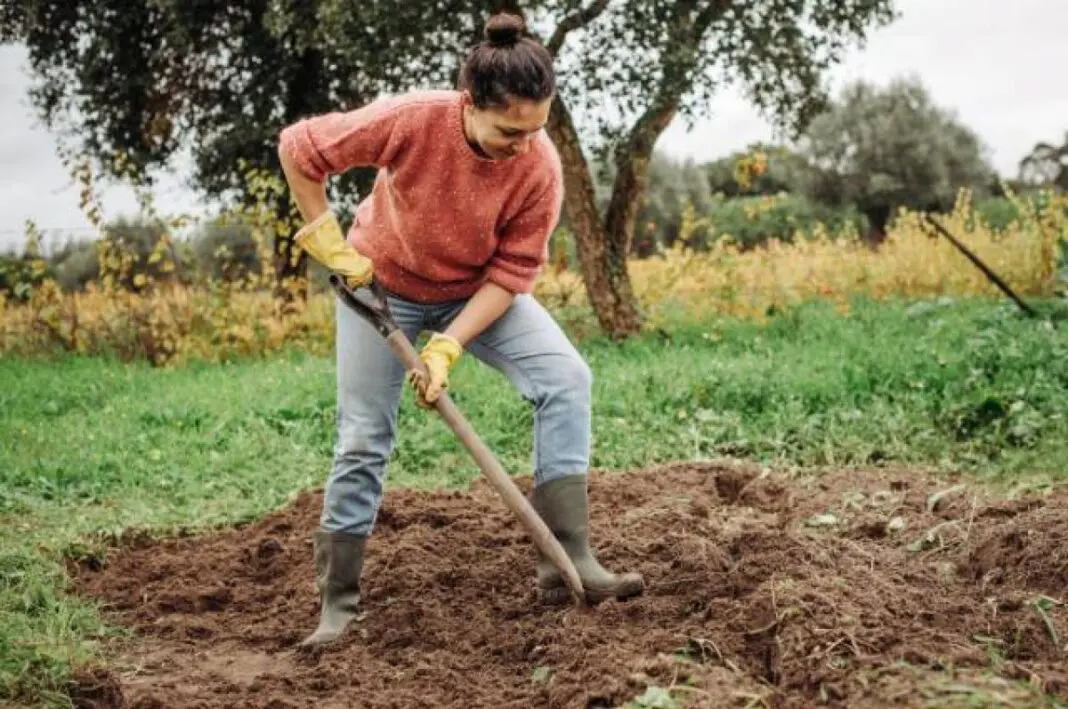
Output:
(525, 344)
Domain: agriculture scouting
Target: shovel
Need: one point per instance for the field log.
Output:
(377, 313)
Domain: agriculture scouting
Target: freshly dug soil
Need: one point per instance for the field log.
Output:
(881, 588)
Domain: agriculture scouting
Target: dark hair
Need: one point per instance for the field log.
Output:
(508, 62)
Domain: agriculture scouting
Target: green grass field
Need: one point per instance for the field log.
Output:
(93, 447)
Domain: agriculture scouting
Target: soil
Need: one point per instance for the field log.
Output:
(859, 588)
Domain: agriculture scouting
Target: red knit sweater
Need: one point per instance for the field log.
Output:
(441, 220)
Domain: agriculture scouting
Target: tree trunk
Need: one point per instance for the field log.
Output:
(632, 174)
(603, 246)
(603, 256)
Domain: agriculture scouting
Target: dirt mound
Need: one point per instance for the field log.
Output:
(1025, 545)
(869, 588)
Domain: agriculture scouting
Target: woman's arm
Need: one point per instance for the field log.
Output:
(483, 309)
(321, 235)
(519, 258)
(440, 354)
(309, 194)
(315, 148)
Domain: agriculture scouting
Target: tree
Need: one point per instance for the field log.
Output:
(1046, 165)
(137, 82)
(227, 251)
(786, 172)
(673, 186)
(628, 68)
(882, 148)
(142, 73)
(637, 65)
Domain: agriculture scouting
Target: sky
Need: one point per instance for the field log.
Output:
(995, 64)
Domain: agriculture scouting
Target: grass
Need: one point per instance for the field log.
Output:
(93, 447)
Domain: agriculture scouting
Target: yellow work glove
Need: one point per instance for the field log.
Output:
(324, 242)
(439, 355)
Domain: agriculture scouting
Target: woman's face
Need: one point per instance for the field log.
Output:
(504, 132)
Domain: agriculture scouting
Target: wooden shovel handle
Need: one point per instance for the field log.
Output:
(377, 314)
(488, 463)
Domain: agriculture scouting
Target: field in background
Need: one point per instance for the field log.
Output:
(163, 323)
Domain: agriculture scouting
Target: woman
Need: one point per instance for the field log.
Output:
(468, 191)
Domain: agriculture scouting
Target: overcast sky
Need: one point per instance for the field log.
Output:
(997, 65)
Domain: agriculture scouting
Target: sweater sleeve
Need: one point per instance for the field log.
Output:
(332, 143)
(524, 244)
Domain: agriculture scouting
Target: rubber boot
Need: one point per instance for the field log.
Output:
(564, 505)
(338, 564)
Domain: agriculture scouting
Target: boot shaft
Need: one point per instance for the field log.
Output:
(338, 560)
(563, 504)
(338, 565)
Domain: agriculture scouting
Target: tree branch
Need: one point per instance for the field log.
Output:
(632, 161)
(711, 12)
(573, 22)
(632, 158)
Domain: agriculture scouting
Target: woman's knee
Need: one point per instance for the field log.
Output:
(571, 378)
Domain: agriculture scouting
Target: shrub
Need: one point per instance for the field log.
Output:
(912, 262)
(76, 265)
(753, 221)
(166, 320)
(227, 250)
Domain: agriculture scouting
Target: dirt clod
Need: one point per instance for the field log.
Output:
(896, 603)
(96, 688)
(1026, 549)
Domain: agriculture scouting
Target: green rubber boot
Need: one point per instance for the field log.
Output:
(564, 505)
(338, 564)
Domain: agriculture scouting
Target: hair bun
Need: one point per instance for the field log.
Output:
(504, 29)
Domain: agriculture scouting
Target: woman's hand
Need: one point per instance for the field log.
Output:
(444, 349)
(439, 356)
(324, 242)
